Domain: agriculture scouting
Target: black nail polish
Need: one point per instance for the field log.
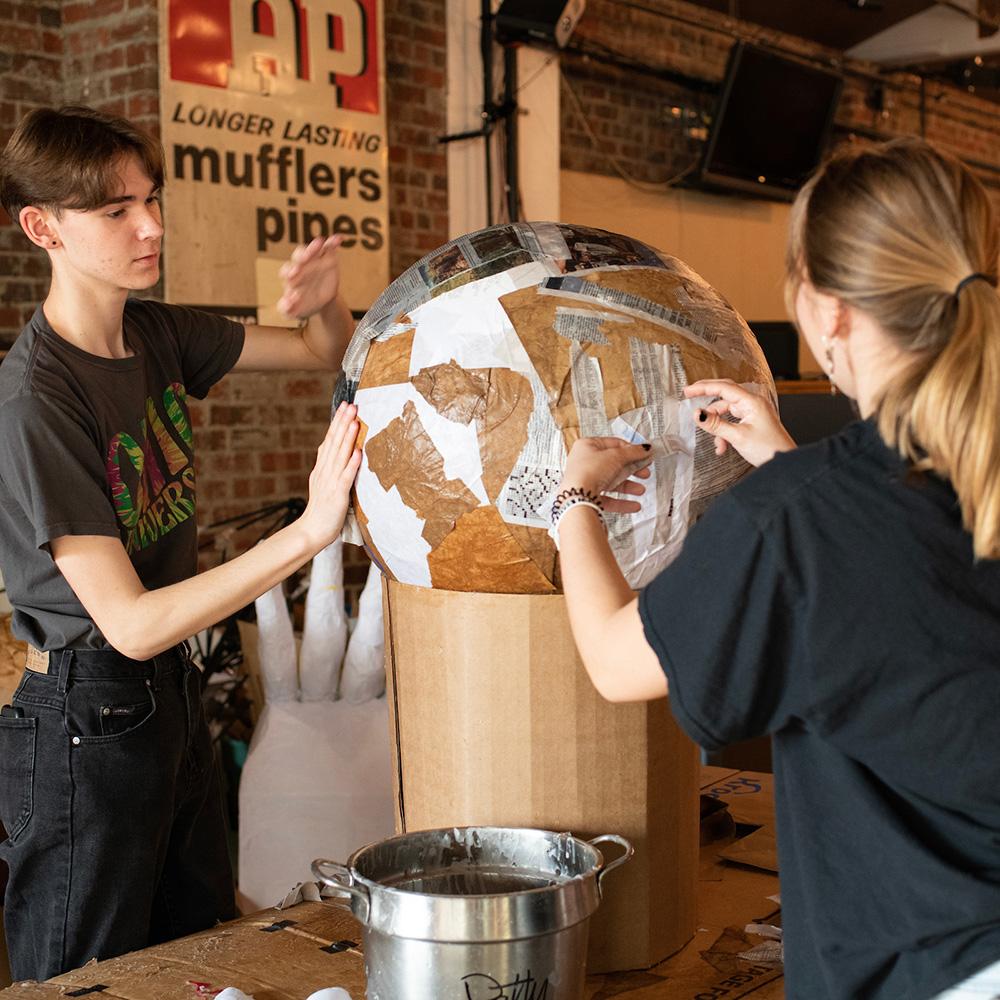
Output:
(702, 416)
(647, 446)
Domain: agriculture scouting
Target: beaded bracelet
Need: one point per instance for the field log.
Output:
(574, 493)
(575, 497)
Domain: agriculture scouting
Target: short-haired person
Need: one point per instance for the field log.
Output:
(845, 597)
(108, 791)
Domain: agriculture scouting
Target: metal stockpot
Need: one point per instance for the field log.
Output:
(474, 913)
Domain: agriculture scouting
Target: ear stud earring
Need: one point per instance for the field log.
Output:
(828, 356)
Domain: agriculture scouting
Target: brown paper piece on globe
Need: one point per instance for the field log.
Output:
(703, 303)
(503, 429)
(540, 548)
(482, 548)
(456, 393)
(359, 441)
(651, 283)
(534, 317)
(498, 399)
(388, 361)
(403, 455)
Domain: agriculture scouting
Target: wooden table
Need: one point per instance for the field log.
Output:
(288, 954)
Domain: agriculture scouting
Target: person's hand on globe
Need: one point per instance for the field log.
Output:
(755, 430)
(607, 465)
(331, 479)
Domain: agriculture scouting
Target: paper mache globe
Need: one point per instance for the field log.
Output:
(477, 369)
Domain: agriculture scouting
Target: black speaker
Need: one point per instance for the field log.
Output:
(550, 21)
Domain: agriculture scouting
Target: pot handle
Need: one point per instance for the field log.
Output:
(604, 869)
(341, 877)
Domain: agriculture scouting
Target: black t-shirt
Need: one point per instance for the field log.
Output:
(832, 600)
(102, 446)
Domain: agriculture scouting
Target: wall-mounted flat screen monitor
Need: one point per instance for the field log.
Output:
(771, 124)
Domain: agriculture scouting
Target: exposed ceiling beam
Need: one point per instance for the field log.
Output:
(944, 32)
(838, 24)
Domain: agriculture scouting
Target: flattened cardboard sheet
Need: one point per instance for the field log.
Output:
(271, 955)
(758, 850)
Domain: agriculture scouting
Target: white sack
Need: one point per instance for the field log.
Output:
(317, 783)
(363, 677)
(324, 634)
(276, 647)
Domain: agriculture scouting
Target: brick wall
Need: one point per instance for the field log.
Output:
(102, 53)
(418, 177)
(626, 69)
(256, 434)
(110, 58)
(31, 47)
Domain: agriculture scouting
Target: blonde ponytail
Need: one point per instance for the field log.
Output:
(907, 234)
(948, 420)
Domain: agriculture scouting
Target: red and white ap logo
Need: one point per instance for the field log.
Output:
(280, 48)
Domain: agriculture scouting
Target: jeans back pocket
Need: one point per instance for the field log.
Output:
(17, 773)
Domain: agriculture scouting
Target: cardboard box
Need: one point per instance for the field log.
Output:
(748, 794)
(495, 722)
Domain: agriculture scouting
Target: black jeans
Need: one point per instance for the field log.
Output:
(110, 798)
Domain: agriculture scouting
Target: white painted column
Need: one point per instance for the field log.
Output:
(538, 133)
(538, 124)
(466, 162)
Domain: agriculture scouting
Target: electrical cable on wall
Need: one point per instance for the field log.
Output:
(538, 72)
(647, 186)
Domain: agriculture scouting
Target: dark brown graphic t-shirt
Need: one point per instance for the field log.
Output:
(102, 446)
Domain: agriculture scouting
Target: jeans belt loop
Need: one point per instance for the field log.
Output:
(65, 658)
(158, 666)
(164, 662)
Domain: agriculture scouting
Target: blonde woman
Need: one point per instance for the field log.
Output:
(845, 597)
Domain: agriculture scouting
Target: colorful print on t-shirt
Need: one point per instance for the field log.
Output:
(151, 476)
